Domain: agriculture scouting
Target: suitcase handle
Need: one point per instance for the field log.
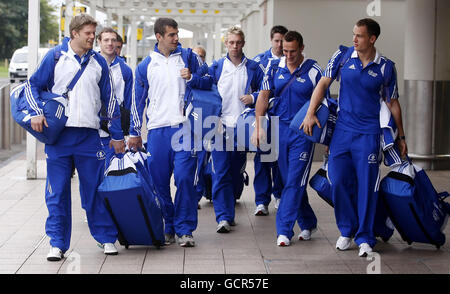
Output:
(121, 238)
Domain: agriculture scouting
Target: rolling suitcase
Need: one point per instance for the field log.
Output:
(418, 212)
(382, 226)
(131, 200)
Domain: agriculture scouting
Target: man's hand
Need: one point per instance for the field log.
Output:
(258, 137)
(135, 143)
(119, 146)
(402, 147)
(308, 124)
(247, 99)
(38, 123)
(185, 73)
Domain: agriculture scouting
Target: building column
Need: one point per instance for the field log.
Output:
(427, 83)
(33, 47)
(218, 40)
(68, 17)
(209, 48)
(93, 9)
(133, 43)
(120, 25)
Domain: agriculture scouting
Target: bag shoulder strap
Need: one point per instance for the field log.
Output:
(77, 76)
(305, 68)
(347, 53)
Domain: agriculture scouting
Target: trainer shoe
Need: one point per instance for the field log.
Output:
(223, 227)
(305, 235)
(277, 202)
(343, 243)
(55, 254)
(364, 249)
(186, 241)
(283, 241)
(169, 239)
(261, 209)
(108, 248)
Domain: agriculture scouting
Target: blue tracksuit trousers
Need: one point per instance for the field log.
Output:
(180, 215)
(267, 180)
(80, 147)
(294, 161)
(227, 181)
(354, 155)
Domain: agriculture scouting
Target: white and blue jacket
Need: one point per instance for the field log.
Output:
(158, 78)
(233, 82)
(264, 58)
(92, 90)
(122, 84)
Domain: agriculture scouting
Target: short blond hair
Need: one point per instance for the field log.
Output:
(79, 21)
(235, 30)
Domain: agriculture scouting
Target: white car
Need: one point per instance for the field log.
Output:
(18, 67)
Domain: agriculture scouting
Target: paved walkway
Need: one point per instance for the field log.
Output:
(249, 249)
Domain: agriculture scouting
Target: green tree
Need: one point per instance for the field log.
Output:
(14, 25)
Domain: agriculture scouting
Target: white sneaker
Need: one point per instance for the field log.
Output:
(109, 248)
(261, 209)
(343, 243)
(277, 202)
(305, 235)
(283, 241)
(55, 254)
(223, 227)
(364, 250)
(186, 241)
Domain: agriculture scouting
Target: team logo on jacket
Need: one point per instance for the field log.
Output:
(352, 66)
(101, 155)
(372, 158)
(372, 73)
(304, 156)
(280, 77)
(299, 79)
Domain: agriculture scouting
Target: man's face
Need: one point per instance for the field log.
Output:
(85, 37)
(292, 51)
(200, 52)
(361, 39)
(170, 39)
(277, 44)
(118, 48)
(108, 43)
(234, 44)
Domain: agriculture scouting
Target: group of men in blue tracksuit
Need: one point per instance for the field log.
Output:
(160, 83)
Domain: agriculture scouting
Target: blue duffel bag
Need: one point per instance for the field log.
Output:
(203, 109)
(53, 106)
(326, 114)
(418, 212)
(129, 195)
(382, 226)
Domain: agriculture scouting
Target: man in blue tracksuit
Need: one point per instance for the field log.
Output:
(266, 172)
(292, 80)
(161, 81)
(355, 146)
(238, 79)
(79, 144)
(122, 83)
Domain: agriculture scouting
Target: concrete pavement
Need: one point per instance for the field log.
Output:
(249, 249)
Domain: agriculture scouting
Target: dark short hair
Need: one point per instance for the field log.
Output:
(294, 36)
(373, 28)
(119, 38)
(161, 24)
(278, 30)
(106, 30)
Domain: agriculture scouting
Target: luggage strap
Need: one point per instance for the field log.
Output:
(77, 76)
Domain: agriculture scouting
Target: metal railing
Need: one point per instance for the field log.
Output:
(10, 132)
